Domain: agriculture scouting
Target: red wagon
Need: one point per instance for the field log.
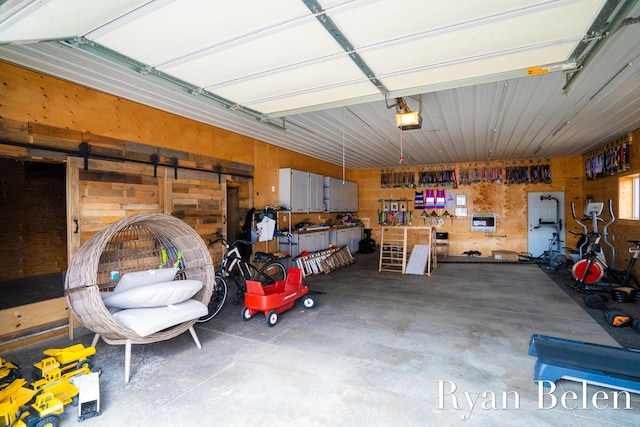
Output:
(275, 298)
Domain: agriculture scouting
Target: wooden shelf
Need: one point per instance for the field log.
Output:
(397, 243)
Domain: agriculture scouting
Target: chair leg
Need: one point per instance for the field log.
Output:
(94, 342)
(127, 360)
(195, 337)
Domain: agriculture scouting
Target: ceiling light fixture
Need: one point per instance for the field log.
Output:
(411, 118)
(405, 118)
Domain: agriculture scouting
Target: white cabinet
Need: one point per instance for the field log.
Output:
(350, 236)
(293, 186)
(300, 191)
(350, 196)
(340, 196)
(315, 241)
(316, 188)
(300, 242)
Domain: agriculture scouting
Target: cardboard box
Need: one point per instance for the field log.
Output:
(505, 255)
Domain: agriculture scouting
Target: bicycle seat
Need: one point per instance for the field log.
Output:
(635, 242)
(262, 256)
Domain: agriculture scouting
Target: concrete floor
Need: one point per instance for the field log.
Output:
(375, 351)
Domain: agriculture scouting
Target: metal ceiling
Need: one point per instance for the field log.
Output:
(493, 80)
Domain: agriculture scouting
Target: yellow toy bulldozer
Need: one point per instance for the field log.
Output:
(43, 412)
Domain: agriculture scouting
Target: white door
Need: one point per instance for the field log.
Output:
(545, 216)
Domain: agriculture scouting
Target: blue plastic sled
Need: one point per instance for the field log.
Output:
(601, 365)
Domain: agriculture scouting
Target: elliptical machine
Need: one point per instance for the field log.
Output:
(592, 266)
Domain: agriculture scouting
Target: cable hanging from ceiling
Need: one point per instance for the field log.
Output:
(344, 109)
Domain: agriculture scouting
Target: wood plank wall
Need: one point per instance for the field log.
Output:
(108, 191)
(508, 201)
(603, 189)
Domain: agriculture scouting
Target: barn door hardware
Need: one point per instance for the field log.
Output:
(85, 151)
(84, 148)
(174, 165)
(155, 159)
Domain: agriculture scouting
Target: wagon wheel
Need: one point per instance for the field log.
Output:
(309, 302)
(246, 314)
(272, 318)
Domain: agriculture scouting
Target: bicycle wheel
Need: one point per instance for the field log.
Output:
(217, 300)
(270, 273)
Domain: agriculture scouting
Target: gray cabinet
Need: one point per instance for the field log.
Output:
(316, 188)
(310, 242)
(350, 196)
(300, 191)
(340, 196)
(350, 236)
(293, 186)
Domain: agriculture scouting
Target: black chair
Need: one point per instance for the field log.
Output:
(442, 241)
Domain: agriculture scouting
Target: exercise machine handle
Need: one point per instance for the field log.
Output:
(584, 227)
(605, 233)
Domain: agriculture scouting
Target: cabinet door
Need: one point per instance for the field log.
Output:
(342, 237)
(356, 236)
(350, 196)
(299, 188)
(315, 192)
(294, 186)
(337, 203)
(305, 242)
(322, 240)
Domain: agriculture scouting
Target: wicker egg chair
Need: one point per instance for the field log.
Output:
(135, 243)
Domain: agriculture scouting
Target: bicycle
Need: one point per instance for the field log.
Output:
(265, 269)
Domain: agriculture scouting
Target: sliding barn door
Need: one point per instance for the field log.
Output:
(107, 191)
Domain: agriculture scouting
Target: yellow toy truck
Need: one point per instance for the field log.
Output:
(8, 372)
(65, 359)
(43, 412)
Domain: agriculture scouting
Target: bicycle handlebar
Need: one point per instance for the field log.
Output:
(229, 243)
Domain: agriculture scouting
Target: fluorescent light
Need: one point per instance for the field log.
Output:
(408, 119)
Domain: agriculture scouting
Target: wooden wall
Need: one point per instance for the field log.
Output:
(603, 189)
(508, 201)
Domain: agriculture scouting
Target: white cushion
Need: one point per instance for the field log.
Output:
(146, 321)
(154, 295)
(142, 278)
